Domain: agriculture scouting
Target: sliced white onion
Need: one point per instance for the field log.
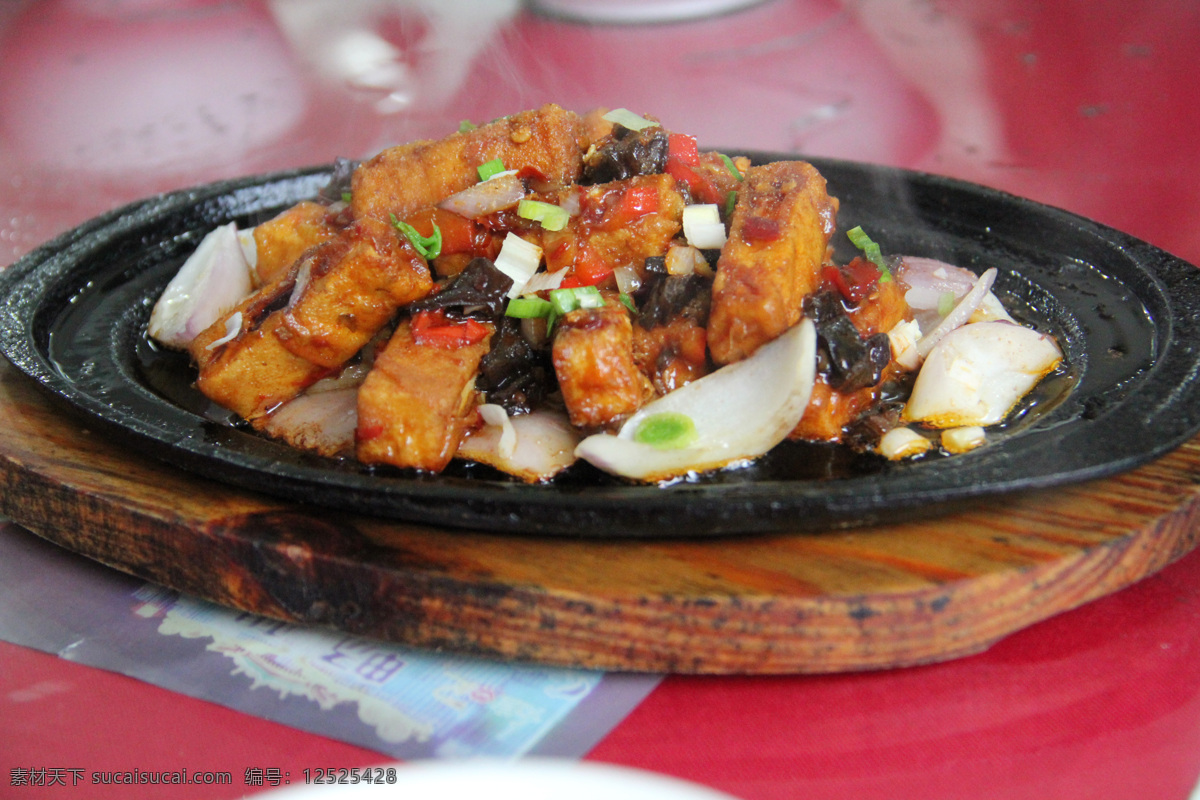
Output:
(303, 278)
(901, 443)
(687, 259)
(249, 248)
(978, 372)
(349, 378)
(962, 440)
(544, 282)
(991, 310)
(903, 339)
(501, 191)
(628, 280)
(519, 260)
(233, 326)
(929, 281)
(496, 415)
(544, 445)
(214, 279)
(739, 412)
(960, 314)
(623, 116)
(702, 226)
(321, 421)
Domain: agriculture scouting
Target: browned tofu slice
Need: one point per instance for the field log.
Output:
(594, 361)
(242, 362)
(280, 241)
(417, 402)
(311, 322)
(344, 304)
(405, 178)
(777, 243)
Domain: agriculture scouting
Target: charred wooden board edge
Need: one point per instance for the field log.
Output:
(307, 567)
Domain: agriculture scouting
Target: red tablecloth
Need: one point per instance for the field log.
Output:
(1089, 106)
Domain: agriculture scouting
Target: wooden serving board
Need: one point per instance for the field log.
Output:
(804, 603)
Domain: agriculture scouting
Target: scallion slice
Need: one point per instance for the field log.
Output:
(528, 308)
(625, 117)
(552, 217)
(667, 430)
(428, 246)
(858, 237)
(566, 300)
(490, 169)
(946, 302)
(731, 166)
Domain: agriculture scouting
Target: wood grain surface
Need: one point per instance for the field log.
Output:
(869, 598)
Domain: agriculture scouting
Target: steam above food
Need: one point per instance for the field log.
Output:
(550, 287)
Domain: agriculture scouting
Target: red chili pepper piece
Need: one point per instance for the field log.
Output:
(435, 328)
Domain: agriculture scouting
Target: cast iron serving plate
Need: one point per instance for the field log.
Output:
(1127, 315)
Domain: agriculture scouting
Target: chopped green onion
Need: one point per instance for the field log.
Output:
(623, 116)
(346, 196)
(667, 430)
(567, 300)
(466, 125)
(871, 250)
(428, 246)
(627, 301)
(552, 217)
(945, 303)
(732, 168)
(490, 169)
(528, 308)
(730, 202)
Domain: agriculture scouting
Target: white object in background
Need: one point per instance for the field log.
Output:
(625, 12)
(525, 779)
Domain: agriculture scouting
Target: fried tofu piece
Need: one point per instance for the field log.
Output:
(332, 302)
(405, 178)
(253, 372)
(417, 402)
(772, 260)
(594, 361)
(281, 241)
(346, 303)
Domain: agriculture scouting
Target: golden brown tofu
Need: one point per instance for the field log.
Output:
(302, 327)
(252, 372)
(417, 401)
(778, 240)
(345, 303)
(597, 373)
(255, 373)
(403, 179)
(282, 240)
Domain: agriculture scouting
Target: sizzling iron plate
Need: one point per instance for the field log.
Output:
(1127, 315)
